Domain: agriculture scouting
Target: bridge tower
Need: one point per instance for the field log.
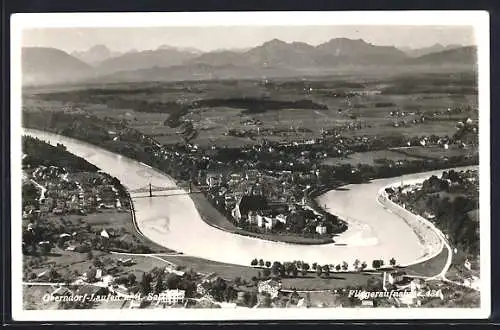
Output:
(150, 190)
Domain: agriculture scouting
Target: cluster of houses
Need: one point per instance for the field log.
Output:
(102, 282)
(262, 200)
(64, 193)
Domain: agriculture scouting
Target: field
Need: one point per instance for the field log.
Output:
(227, 271)
(434, 152)
(368, 158)
(334, 281)
(354, 106)
(109, 219)
(306, 283)
(358, 106)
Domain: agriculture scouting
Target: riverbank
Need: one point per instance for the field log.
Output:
(174, 222)
(210, 215)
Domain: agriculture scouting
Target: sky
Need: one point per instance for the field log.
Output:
(233, 37)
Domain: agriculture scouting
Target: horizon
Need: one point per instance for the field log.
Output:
(193, 48)
(202, 38)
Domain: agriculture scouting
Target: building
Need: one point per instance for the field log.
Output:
(252, 217)
(265, 220)
(281, 218)
(321, 229)
(367, 303)
(202, 288)
(248, 203)
(252, 175)
(271, 287)
(171, 297)
(212, 179)
(125, 262)
(392, 278)
(62, 291)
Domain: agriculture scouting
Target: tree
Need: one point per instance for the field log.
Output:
(277, 269)
(345, 265)
(392, 262)
(356, 264)
(97, 262)
(146, 283)
(374, 283)
(46, 248)
(319, 270)
(268, 264)
(229, 293)
(289, 268)
(261, 263)
(218, 289)
(266, 301)
(377, 263)
(304, 269)
(172, 281)
(160, 286)
(326, 270)
(338, 267)
(131, 279)
(91, 275)
(53, 275)
(364, 265)
(315, 265)
(254, 262)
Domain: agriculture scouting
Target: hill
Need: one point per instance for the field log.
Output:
(272, 59)
(95, 55)
(343, 51)
(163, 57)
(42, 65)
(198, 71)
(436, 48)
(301, 56)
(463, 55)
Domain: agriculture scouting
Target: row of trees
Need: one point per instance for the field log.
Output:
(292, 269)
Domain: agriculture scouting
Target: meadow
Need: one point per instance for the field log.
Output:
(361, 106)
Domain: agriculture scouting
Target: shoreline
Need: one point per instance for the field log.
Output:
(209, 214)
(270, 250)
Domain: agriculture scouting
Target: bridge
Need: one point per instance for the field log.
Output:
(152, 191)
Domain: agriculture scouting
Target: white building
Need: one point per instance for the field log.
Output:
(270, 287)
(212, 180)
(265, 221)
(281, 218)
(252, 217)
(321, 229)
(171, 297)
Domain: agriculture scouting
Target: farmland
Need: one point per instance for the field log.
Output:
(302, 109)
(241, 113)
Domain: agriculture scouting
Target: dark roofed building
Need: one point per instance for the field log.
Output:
(249, 203)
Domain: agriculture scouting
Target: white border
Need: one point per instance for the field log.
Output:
(478, 19)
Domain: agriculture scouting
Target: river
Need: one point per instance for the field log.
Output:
(173, 221)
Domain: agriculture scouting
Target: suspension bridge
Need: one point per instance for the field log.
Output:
(149, 191)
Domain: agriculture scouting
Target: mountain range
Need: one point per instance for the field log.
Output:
(274, 58)
(416, 52)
